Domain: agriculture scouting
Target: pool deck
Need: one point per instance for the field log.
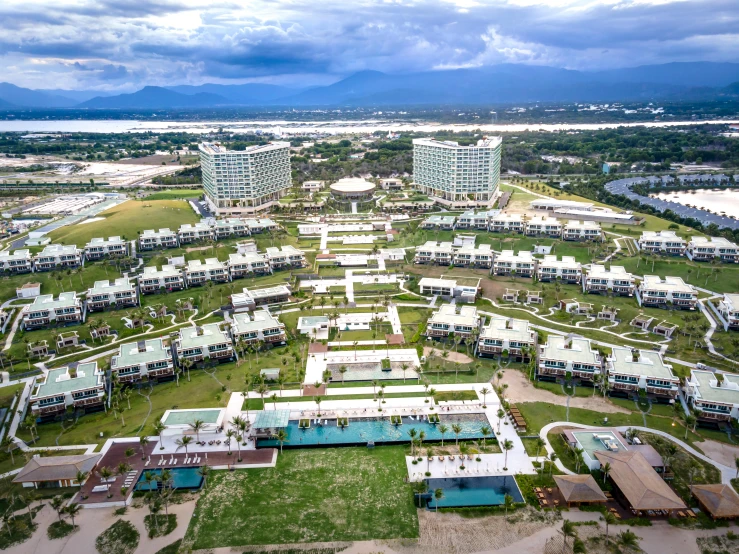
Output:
(317, 363)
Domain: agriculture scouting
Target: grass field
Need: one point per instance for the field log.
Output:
(335, 494)
(175, 194)
(127, 220)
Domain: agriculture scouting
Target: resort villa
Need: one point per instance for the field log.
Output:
(568, 358)
(543, 226)
(507, 335)
(616, 279)
(715, 396)
(18, 262)
(58, 255)
(198, 272)
(582, 231)
(258, 327)
(661, 242)
(204, 343)
(702, 249)
(169, 278)
(193, 233)
(451, 320)
(285, 256)
(522, 264)
(474, 256)
(44, 310)
(150, 359)
(633, 372)
(248, 263)
(479, 220)
(119, 293)
(506, 223)
(230, 227)
(567, 269)
(99, 248)
(79, 387)
(443, 222)
(728, 307)
(163, 238)
(667, 292)
(439, 253)
(448, 288)
(250, 299)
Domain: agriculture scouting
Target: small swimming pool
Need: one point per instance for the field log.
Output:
(183, 478)
(473, 491)
(186, 417)
(361, 431)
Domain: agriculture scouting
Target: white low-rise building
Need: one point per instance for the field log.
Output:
(631, 371)
(451, 319)
(506, 223)
(116, 294)
(202, 343)
(567, 269)
(151, 359)
(169, 279)
(250, 299)
(702, 249)
(474, 256)
(257, 326)
(543, 226)
(661, 242)
(715, 396)
(312, 186)
(285, 256)
(18, 262)
(573, 356)
(231, 227)
(552, 204)
(192, 233)
(248, 263)
(446, 222)
(198, 272)
(79, 386)
(476, 220)
(46, 310)
(582, 230)
(448, 288)
(57, 256)
(522, 264)
(728, 307)
(99, 248)
(670, 291)
(505, 334)
(163, 238)
(261, 225)
(439, 253)
(616, 279)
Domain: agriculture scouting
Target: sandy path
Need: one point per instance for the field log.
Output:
(452, 356)
(521, 390)
(92, 522)
(719, 452)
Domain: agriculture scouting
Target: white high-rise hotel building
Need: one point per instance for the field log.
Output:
(244, 181)
(447, 170)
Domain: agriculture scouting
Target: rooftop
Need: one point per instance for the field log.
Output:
(207, 335)
(615, 271)
(56, 468)
(719, 500)
(99, 241)
(575, 349)
(431, 282)
(714, 241)
(161, 232)
(166, 270)
(260, 319)
(668, 284)
(485, 142)
(507, 328)
(550, 260)
(271, 419)
(142, 352)
(452, 314)
(107, 287)
(47, 302)
(59, 381)
(707, 387)
(661, 235)
(579, 488)
(208, 265)
(650, 364)
(58, 249)
(352, 184)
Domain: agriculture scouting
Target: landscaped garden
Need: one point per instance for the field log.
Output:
(337, 494)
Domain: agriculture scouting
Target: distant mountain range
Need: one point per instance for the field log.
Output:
(499, 84)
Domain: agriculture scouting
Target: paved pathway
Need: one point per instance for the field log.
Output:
(394, 317)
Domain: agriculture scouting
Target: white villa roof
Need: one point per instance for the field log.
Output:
(246, 258)
(507, 328)
(129, 354)
(665, 236)
(431, 282)
(208, 265)
(267, 291)
(706, 386)
(16, 255)
(615, 271)
(210, 334)
(509, 256)
(447, 313)
(650, 364)
(99, 241)
(543, 220)
(580, 350)
(166, 271)
(567, 262)
(577, 224)
(59, 381)
(720, 242)
(58, 249)
(668, 284)
(107, 287)
(260, 319)
(160, 233)
(47, 302)
(553, 203)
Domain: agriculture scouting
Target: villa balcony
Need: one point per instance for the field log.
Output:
(714, 415)
(616, 385)
(89, 401)
(48, 409)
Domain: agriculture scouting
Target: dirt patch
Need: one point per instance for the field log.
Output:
(520, 389)
(197, 248)
(719, 452)
(452, 356)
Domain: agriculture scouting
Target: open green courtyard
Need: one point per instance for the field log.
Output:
(338, 494)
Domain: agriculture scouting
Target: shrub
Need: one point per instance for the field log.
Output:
(60, 529)
(120, 538)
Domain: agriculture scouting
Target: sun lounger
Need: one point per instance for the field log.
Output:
(537, 489)
(544, 502)
(100, 488)
(691, 513)
(615, 514)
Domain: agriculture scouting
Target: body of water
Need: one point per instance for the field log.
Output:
(182, 478)
(474, 491)
(725, 201)
(361, 431)
(331, 127)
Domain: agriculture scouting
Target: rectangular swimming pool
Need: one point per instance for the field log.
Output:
(362, 431)
(473, 491)
(186, 417)
(182, 477)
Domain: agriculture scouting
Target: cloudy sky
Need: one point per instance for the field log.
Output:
(123, 44)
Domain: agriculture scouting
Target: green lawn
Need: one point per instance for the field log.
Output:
(175, 194)
(129, 219)
(694, 273)
(335, 494)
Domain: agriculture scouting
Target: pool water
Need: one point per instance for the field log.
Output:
(186, 417)
(183, 478)
(361, 431)
(473, 491)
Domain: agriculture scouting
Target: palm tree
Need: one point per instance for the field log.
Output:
(606, 470)
(539, 445)
(507, 445)
(485, 432)
(552, 458)
(609, 519)
(421, 437)
(736, 463)
(261, 390)
(81, 477)
(412, 433)
(507, 502)
(438, 495)
(281, 437)
(628, 539)
(58, 504)
(123, 468)
(342, 370)
(183, 443)
(456, 429)
(484, 391)
(72, 510)
(8, 444)
(203, 472)
(143, 441)
(230, 434)
(501, 415)
(443, 429)
(159, 428)
(690, 420)
(567, 530)
(106, 474)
